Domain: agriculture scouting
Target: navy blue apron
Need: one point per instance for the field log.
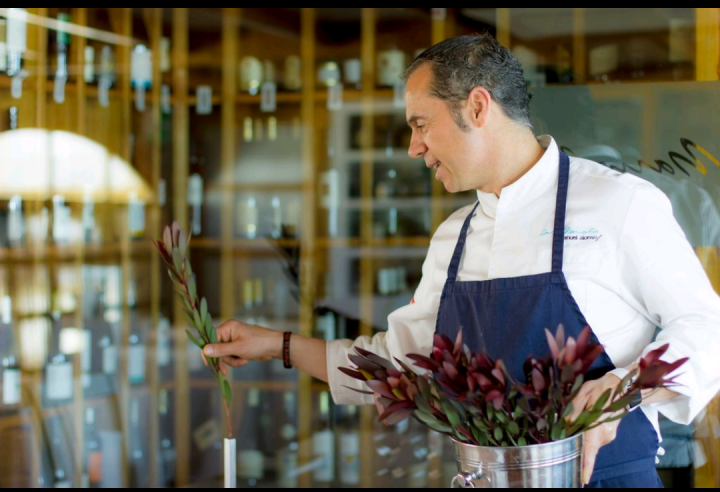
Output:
(507, 318)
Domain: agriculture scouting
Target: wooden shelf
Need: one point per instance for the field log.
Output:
(354, 242)
(281, 97)
(64, 254)
(243, 244)
(261, 187)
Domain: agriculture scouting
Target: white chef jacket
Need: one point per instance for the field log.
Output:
(627, 263)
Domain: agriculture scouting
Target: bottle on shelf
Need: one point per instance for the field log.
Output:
(136, 216)
(106, 75)
(259, 301)
(11, 372)
(16, 223)
(139, 476)
(89, 64)
(16, 42)
(11, 119)
(248, 217)
(349, 446)
(59, 378)
(277, 218)
(59, 71)
(104, 321)
(141, 74)
(196, 188)
(58, 455)
(248, 303)
(136, 349)
(326, 326)
(3, 46)
(90, 232)
(164, 348)
(250, 458)
(93, 466)
(286, 456)
(61, 221)
(168, 453)
(323, 443)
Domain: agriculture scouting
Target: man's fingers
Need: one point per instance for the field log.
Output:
(590, 450)
(205, 361)
(579, 404)
(234, 361)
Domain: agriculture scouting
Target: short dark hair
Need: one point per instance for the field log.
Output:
(478, 60)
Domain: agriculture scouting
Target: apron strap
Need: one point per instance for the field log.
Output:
(560, 206)
(460, 246)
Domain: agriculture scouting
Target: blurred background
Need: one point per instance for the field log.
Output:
(278, 137)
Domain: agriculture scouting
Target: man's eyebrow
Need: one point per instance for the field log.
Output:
(413, 120)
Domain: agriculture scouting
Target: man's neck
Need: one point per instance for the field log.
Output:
(517, 153)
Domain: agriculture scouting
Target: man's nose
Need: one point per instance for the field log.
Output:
(417, 147)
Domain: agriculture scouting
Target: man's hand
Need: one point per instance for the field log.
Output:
(598, 437)
(239, 343)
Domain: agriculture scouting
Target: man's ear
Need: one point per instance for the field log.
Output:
(479, 103)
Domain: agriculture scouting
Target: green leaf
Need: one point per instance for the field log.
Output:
(199, 325)
(183, 299)
(211, 330)
(602, 401)
(194, 340)
(433, 423)
(480, 425)
(476, 434)
(556, 432)
(203, 311)
(190, 319)
(498, 434)
(568, 411)
(522, 442)
(227, 392)
(192, 288)
(451, 414)
(177, 260)
(578, 383)
(513, 428)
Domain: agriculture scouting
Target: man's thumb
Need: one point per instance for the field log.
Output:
(214, 350)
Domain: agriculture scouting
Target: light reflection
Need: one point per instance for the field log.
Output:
(38, 164)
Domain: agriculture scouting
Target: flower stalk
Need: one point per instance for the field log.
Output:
(174, 249)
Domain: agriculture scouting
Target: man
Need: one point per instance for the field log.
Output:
(551, 240)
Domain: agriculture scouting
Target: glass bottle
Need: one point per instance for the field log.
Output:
(251, 460)
(11, 372)
(324, 445)
(93, 452)
(168, 453)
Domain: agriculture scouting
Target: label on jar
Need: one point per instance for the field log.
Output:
(60, 381)
(11, 386)
(109, 359)
(136, 364)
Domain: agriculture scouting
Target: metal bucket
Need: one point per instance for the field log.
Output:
(556, 464)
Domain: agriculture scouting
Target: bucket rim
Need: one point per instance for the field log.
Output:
(576, 437)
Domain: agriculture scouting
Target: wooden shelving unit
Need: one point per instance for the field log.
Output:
(160, 146)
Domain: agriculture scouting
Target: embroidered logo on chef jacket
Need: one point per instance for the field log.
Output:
(571, 234)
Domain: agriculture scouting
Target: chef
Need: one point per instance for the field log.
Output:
(550, 240)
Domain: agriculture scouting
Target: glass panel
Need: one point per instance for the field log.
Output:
(307, 215)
